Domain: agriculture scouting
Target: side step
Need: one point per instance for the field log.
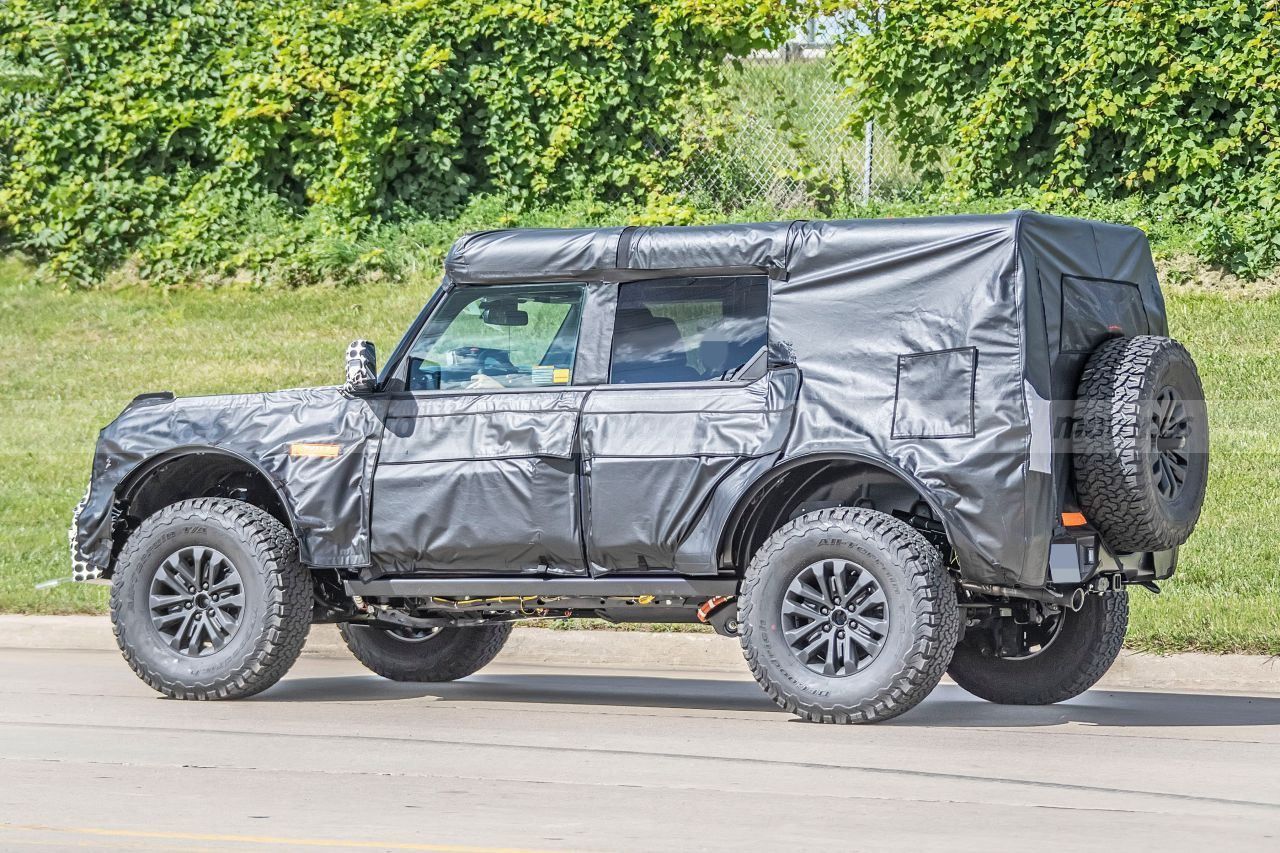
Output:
(624, 587)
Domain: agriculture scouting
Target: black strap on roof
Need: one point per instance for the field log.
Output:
(624, 247)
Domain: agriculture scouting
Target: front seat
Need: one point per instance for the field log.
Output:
(718, 356)
(648, 349)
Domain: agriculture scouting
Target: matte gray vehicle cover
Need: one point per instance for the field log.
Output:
(326, 497)
(946, 350)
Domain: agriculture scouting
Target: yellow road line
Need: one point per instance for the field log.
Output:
(262, 839)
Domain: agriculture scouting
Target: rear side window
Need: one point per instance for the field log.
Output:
(705, 329)
(1095, 309)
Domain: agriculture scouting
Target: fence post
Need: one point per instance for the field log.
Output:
(868, 156)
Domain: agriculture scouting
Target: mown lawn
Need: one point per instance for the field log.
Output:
(72, 360)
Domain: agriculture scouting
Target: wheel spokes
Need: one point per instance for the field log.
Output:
(196, 600)
(1170, 431)
(834, 617)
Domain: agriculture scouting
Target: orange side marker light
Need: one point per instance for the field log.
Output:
(308, 449)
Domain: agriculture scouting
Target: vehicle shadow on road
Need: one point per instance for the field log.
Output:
(948, 706)
(621, 691)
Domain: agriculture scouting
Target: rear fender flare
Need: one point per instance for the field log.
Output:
(734, 527)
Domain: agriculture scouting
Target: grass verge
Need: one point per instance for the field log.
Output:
(74, 358)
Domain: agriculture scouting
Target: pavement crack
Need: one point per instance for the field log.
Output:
(446, 778)
(961, 778)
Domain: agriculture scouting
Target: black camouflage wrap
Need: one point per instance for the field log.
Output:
(946, 350)
(327, 498)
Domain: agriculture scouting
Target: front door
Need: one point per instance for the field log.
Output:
(477, 471)
(688, 401)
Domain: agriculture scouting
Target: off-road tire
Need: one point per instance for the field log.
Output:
(921, 605)
(1081, 654)
(1112, 438)
(277, 592)
(449, 654)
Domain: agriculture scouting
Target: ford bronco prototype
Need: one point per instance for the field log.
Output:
(873, 451)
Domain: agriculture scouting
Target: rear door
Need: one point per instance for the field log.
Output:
(688, 399)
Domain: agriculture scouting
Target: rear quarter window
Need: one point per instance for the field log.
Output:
(1095, 309)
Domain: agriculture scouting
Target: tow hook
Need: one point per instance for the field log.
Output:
(721, 613)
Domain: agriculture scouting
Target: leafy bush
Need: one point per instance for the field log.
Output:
(1178, 101)
(160, 130)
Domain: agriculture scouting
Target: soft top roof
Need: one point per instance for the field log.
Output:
(622, 253)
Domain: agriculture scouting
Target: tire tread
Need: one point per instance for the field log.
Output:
(986, 679)
(459, 655)
(1108, 447)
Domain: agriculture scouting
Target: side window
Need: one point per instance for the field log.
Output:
(688, 329)
(499, 337)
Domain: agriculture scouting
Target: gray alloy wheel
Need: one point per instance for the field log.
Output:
(196, 600)
(847, 616)
(835, 617)
(209, 601)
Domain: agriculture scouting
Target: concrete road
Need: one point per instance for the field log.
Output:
(607, 759)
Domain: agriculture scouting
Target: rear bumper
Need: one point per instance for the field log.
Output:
(1079, 554)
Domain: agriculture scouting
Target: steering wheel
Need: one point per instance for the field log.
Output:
(490, 362)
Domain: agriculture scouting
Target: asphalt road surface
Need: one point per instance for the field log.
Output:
(532, 758)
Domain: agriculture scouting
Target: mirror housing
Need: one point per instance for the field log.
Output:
(503, 312)
(361, 369)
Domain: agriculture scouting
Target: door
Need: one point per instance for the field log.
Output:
(477, 470)
(688, 401)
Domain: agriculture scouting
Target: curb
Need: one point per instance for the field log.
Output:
(678, 651)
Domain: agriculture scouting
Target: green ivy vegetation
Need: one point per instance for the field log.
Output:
(1174, 100)
(164, 132)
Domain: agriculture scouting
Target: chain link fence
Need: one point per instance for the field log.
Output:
(784, 136)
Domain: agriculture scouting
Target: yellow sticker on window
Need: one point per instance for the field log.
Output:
(560, 376)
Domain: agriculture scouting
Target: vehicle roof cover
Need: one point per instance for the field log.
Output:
(947, 348)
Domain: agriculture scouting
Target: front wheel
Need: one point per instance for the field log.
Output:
(209, 600)
(1043, 664)
(847, 616)
(436, 654)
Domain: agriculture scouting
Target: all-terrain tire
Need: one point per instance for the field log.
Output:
(919, 607)
(445, 655)
(1078, 656)
(273, 621)
(1118, 415)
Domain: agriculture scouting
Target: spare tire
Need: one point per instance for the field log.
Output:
(1141, 442)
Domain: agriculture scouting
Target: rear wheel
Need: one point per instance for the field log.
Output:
(847, 616)
(1013, 664)
(435, 654)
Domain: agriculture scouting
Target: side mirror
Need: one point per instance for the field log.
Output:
(362, 369)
